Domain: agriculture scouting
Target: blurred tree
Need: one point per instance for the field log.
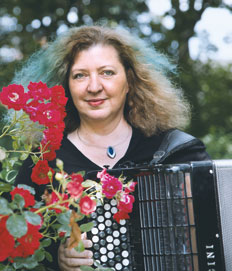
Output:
(26, 25)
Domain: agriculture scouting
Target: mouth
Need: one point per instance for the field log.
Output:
(95, 102)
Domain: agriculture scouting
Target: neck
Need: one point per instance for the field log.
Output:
(112, 130)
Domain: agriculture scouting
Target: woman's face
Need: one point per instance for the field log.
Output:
(98, 84)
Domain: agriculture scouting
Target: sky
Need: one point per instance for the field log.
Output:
(216, 21)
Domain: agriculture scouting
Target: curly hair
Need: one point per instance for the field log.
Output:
(153, 103)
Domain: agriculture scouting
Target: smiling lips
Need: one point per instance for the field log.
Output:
(95, 102)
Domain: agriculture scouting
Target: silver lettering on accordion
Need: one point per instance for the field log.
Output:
(210, 254)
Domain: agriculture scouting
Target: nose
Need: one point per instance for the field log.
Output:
(94, 84)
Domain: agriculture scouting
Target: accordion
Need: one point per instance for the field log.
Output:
(181, 221)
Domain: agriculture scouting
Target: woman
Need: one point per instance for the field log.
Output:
(121, 105)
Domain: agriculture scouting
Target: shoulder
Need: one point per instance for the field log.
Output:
(178, 147)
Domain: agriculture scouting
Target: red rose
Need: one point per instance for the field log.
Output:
(51, 142)
(87, 205)
(77, 177)
(14, 97)
(49, 114)
(32, 110)
(75, 189)
(28, 197)
(6, 240)
(131, 187)
(39, 91)
(40, 172)
(121, 215)
(28, 243)
(111, 186)
(54, 198)
(126, 203)
(58, 95)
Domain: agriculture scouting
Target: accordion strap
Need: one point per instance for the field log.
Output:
(174, 140)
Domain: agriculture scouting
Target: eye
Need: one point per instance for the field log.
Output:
(78, 76)
(108, 72)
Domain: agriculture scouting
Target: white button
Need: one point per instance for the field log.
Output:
(118, 266)
(125, 253)
(107, 214)
(107, 207)
(104, 258)
(125, 262)
(113, 202)
(103, 250)
(123, 230)
(95, 239)
(110, 246)
(114, 210)
(109, 239)
(122, 222)
(101, 227)
(116, 242)
(100, 218)
(94, 231)
(111, 255)
(116, 233)
(108, 223)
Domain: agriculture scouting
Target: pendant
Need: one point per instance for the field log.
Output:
(111, 152)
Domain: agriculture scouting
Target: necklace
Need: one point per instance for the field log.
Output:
(110, 150)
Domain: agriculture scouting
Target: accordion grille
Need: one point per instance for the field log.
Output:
(168, 227)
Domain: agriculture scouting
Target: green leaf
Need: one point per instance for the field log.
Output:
(32, 218)
(5, 187)
(15, 145)
(82, 173)
(30, 265)
(10, 176)
(27, 187)
(39, 255)
(86, 227)
(6, 268)
(88, 183)
(19, 201)
(48, 256)
(64, 218)
(4, 207)
(16, 225)
(17, 265)
(46, 242)
(86, 268)
(80, 247)
(65, 228)
(38, 204)
(39, 268)
(35, 159)
(23, 156)
(104, 269)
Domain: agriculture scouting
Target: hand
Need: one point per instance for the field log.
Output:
(71, 260)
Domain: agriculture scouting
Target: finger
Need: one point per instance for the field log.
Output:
(74, 262)
(72, 253)
(87, 243)
(83, 236)
(70, 268)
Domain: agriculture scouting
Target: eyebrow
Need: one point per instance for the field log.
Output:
(100, 68)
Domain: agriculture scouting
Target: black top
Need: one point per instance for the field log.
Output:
(140, 150)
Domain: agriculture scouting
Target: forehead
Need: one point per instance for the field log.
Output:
(97, 52)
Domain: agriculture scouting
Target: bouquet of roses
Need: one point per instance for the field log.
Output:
(27, 226)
